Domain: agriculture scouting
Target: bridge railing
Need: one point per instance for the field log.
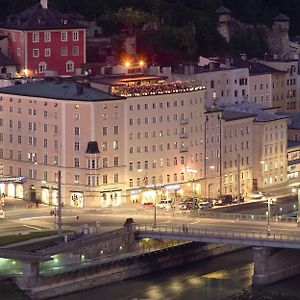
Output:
(242, 217)
(190, 231)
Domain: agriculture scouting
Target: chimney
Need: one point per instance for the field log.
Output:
(44, 4)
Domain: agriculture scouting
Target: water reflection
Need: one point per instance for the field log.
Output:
(212, 279)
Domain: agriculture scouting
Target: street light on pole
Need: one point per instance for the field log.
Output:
(268, 217)
(298, 210)
(59, 218)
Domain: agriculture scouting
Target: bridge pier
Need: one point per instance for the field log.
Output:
(274, 264)
(30, 275)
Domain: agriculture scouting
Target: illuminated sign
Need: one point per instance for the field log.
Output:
(173, 187)
(19, 179)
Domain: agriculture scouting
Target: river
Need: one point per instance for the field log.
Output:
(212, 279)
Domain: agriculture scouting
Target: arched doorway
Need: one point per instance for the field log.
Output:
(19, 191)
(45, 196)
(55, 197)
(11, 190)
(32, 193)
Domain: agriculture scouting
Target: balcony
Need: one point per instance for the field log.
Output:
(183, 135)
(184, 149)
(184, 121)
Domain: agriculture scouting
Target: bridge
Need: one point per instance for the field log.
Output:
(247, 238)
(276, 255)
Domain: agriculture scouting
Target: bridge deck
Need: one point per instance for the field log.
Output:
(259, 239)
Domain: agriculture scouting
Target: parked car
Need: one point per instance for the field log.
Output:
(188, 204)
(165, 203)
(205, 205)
(148, 205)
(224, 200)
(257, 195)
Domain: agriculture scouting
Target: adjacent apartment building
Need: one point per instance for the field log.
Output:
(41, 38)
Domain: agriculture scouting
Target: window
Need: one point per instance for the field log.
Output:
(75, 36)
(76, 130)
(116, 129)
(76, 162)
(76, 179)
(19, 155)
(116, 161)
(45, 143)
(64, 51)
(47, 37)
(116, 178)
(35, 53)
(75, 51)
(35, 37)
(104, 146)
(104, 130)
(115, 145)
(76, 146)
(105, 162)
(104, 179)
(47, 52)
(42, 67)
(64, 36)
(18, 52)
(70, 66)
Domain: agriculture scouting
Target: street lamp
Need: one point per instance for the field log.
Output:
(268, 217)
(59, 218)
(298, 210)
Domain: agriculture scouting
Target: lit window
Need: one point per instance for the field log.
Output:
(35, 37)
(70, 66)
(75, 36)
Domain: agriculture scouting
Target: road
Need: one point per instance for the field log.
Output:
(20, 219)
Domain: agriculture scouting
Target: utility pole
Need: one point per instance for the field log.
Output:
(59, 221)
(238, 179)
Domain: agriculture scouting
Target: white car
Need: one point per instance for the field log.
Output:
(258, 195)
(205, 205)
(166, 203)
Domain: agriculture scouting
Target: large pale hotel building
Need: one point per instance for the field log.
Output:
(142, 144)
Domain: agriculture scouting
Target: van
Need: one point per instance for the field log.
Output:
(2, 214)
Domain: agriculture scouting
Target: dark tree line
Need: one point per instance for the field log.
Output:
(175, 29)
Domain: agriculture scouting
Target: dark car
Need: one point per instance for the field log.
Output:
(224, 200)
(188, 204)
(235, 200)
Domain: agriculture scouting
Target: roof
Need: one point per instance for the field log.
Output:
(295, 121)
(255, 68)
(6, 61)
(281, 18)
(38, 18)
(222, 10)
(292, 144)
(228, 115)
(261, 112)
(58, 89)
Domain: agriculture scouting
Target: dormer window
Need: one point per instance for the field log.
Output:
(41, 21)
(64, 21)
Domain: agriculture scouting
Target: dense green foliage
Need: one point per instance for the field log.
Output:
(175, 28)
